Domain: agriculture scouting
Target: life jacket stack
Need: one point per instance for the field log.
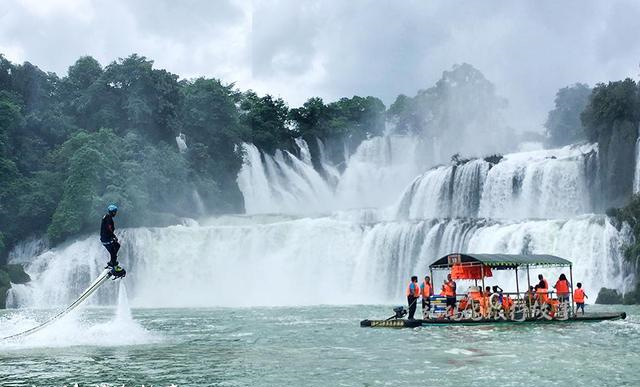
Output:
(438, 304)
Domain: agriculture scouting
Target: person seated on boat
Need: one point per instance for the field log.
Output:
(484, 303)
(426, 290)
(413, 294)
(498, 290)
(578, 297)
(487, 291)
(475, 293)
(449, 289)
(562, 288)
(464, 302)
(553, 306)
(530, 295)
(507, 304)
(541, 294)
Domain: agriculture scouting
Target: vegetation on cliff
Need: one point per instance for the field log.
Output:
(69, 145)
(10, 274)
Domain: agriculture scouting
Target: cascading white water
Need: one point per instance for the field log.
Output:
(357, 256)
(281, 184)
(309, 260)
(374, 177)
(636, 176)
(536, 184)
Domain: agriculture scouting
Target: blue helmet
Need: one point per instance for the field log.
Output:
(112, 208)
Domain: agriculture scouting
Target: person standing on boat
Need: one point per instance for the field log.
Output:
(427, 291)
(450, 293)
(543, 284)
(413, 294)
(562, 288)
(579, 296)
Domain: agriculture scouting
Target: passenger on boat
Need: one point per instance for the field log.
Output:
(497, 289)
(578, 297)
(464, 302)
(487, 291)
(562, 288)
(543, 283)
(531, 296)
(426, 289)
(484, 303)
(542, 294)
(449, 289)
(507, 303)
(413, 294)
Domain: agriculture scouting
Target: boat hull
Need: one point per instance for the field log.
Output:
(402, 323)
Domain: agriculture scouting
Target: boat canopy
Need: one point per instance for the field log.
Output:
(499, 261)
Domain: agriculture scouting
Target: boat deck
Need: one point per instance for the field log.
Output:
(403, 323)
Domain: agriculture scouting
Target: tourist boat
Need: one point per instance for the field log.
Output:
(522, 307)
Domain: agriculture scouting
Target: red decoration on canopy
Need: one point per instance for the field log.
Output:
(459, 271)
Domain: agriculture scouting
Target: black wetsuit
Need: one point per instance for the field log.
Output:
(109, 239)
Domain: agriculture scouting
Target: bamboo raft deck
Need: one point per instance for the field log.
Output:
(404, 323)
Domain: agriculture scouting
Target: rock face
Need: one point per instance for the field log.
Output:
(617, 163)
(10, 274)
(608, 297)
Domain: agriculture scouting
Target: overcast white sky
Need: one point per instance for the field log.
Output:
(297, 49)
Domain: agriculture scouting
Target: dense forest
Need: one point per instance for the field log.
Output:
(69, 145)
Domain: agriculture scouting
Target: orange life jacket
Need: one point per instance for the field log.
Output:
(542, 293)
(507, 302)
(416, 290)
(578, 296)
(426, 289)
(449, 290)
(463, 304)
(562, 287)
(476, 296)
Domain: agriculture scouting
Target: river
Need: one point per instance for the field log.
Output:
(314, 346)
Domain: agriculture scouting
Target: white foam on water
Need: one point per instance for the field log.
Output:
(77, 328)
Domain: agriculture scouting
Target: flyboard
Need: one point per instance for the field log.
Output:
(106, 274)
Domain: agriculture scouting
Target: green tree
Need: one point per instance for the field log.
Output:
(131, 95)
(611, 118)
(462, 111)
(266, 122)
(563, 122)
(211, 122)
(613, 102)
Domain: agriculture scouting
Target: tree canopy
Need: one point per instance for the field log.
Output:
(563, 122)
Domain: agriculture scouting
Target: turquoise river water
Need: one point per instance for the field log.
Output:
(310, 346)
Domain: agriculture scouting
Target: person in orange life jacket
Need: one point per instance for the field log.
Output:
(543, 284)
(542, 294)
(450, 292)
(413, 294)
(426, 290)
(562, 288)
(578, 297)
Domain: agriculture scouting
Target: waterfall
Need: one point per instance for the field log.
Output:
(354, 236)
(636, 176)
(374, 177)
(323, 260)
(535, 184)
